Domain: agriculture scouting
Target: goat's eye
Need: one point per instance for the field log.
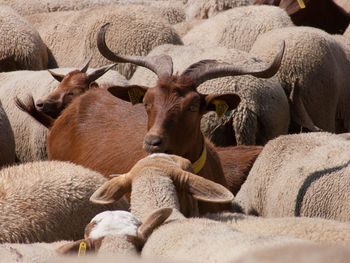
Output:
(70, 93)
(193, 108)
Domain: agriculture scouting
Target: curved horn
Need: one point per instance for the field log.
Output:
(210, 69)
(299, 111)
(99, 72)
(86, 64)
(160, 65)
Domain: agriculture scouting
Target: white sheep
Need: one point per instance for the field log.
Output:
(135, 29)
(317, 65)
(263, 112)
(48, 201)
(301, 253)
(238, 27)
(201, 9)
(7, 141)
(300, 175)
(319, 230)
(154, 183)
(21, 46)
(30, 136)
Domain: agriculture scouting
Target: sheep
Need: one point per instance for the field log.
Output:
(21, 45)
(237, 28)
(300, 175)
(152, 182)
(319, 230)
(7, 141)
(71, 35)
(30, 137)
(48, 201)
(317, 65)
(300, 253)
(199, 9)
(263, 112)
(117, 232)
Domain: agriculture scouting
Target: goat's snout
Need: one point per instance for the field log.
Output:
(153, 143)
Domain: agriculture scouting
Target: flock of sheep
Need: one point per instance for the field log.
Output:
(272, 181)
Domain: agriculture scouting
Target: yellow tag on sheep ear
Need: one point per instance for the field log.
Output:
(82, 249)
(301, 4)
(135, 95)
(221, 107)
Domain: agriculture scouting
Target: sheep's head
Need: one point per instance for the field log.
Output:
(117, 226)
(174, 167)
(71, 86)
(174, 106)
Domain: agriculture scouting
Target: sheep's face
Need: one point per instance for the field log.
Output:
(71, 86)
(174, 109)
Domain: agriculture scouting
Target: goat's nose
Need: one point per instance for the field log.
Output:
(153, 140)
(39, 104)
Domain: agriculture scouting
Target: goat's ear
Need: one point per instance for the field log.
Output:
(58, 77)
(112, 190)
(73, 247)
(133, 93)
(221, 103)
(93, 85)
(153, 221)
(204, 189)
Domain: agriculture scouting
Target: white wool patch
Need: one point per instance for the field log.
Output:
(156, 155)
(114, 223)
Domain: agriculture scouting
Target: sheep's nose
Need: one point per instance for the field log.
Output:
(153, 140)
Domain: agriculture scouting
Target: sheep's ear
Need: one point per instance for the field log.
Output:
(112, 190)
(133, 93)
(152, 222)
(58, 77)
(185, 164)
(221, 103)
(205, 190)
(73, 247)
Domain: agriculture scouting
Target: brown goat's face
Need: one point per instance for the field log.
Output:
(174, 111)
(71, 86)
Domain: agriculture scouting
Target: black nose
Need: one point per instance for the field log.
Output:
(153, 140)
(39, 104)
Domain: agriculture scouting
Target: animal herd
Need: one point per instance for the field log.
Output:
(175, 131)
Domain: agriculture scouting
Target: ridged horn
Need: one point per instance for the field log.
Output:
(99, 72)
(210, 69)
(86, 64)
(161, 65)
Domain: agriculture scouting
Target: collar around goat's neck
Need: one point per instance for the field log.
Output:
(199, 164)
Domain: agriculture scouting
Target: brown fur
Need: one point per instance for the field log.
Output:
(106, 134)
(236, 162)
(324, 14)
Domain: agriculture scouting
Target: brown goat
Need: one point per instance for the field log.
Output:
(72, 85)
(106, 134)
(236, 163)
(323, 14)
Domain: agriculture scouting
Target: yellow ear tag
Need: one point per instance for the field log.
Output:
(82, 249)
(135, 95)
(221, 107)
(301, 4)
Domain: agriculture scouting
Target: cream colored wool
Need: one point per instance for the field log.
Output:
(320, 63)
(299, 253)
(71, 35)
(29, 135)
(263, 101)
(319, 230)
(300, 175)
(21, 46)
(48, 201)
(201, 9)
(238, 27)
